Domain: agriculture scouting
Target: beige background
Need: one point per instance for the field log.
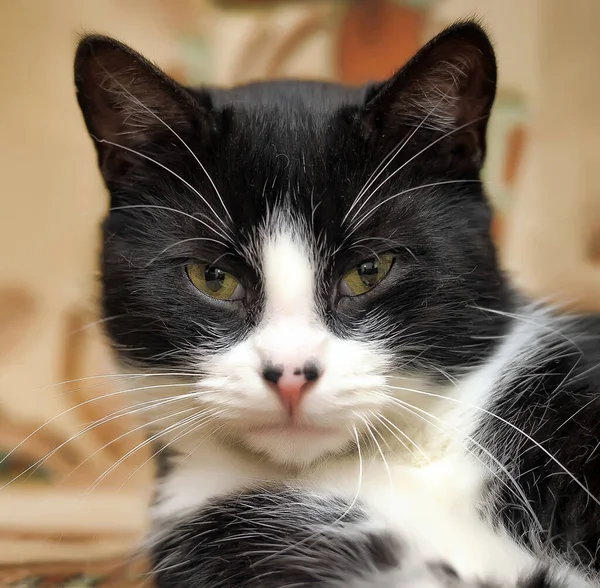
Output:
(51, 197)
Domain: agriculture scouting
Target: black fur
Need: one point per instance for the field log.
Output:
(557, 466)
(278, 537)
(265, 539)
(308, 148)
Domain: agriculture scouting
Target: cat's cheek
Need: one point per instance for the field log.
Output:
(231, 381)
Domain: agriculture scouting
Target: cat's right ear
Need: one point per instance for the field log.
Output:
(128, 103)
(445, 91)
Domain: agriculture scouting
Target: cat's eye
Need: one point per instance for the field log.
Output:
(214, 281)
(366, 275)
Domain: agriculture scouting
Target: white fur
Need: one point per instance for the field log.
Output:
(430, 505)
(288, 276)
(291, 333)
(427, 495)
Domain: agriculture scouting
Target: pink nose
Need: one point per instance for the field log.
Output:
(291, 388)
(291, 383)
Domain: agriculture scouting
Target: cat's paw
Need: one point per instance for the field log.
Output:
(273, 538)
(287, 536)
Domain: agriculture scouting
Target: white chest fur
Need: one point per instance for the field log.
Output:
(434, 504)
(433, 507)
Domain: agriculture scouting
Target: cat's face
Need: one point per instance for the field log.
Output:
(298, 249)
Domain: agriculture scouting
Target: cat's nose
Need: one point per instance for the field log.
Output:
(292, 382)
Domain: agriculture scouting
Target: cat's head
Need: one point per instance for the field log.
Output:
(298, 249)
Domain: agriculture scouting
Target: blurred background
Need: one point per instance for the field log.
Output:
(71, 509)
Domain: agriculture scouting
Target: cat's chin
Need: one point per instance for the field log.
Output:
(297, 446)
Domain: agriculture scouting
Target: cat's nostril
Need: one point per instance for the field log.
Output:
(272, 373)
(311, 371)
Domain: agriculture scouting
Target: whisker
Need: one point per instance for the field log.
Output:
(381, 167)
(69, 410)
(420, 187)
(144, 425)
(176, 175)
(94, 323)
(369, 427)
(512, 426)
(118, 380)
(517, 487)
(391, 242)
(193, 427)
(530, 321)
(169, 209)
(390, 157)
(118, 376)
(181, 243)
(159, 119)
(183, 422)
(411, 159)
(383, 420)
(122, 412)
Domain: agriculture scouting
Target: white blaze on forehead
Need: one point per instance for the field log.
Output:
(291, 334)
(288, 274)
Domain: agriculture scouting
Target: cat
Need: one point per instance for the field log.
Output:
(346, 388)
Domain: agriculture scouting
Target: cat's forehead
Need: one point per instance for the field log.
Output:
(288, 155)
(288, 161)
(285, 125)
(285, 158)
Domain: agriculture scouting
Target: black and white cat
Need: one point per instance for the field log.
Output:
(353, 393)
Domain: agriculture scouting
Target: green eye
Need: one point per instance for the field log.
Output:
(366, 276)
(214, 281)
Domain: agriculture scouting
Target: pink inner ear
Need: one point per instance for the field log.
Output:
(449, 82)
(124, 97)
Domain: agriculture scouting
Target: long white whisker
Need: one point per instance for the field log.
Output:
(517, 487)
(512, 426)
(376, 174)
(411, 159)
(144, 425)
(169, 209)
(193, 427)
(94, 323)
(360, 471)
(381, 167)
(387, 424)
(119, 376)
(370, 429)
(152, 438)
(380, 204)
(530, 321)
(117, 380)
(159, 119)
(69, 410)
(180, 243)
(174, 174)
(120, 413)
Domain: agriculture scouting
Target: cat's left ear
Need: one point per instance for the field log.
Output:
(128, 103)
(446, 90)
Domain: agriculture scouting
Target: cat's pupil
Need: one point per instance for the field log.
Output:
(215, 278)
(368, 272)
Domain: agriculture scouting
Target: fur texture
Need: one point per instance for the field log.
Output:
(429, 429)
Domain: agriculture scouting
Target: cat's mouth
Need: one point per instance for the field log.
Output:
(292, 428)
(295, 443)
